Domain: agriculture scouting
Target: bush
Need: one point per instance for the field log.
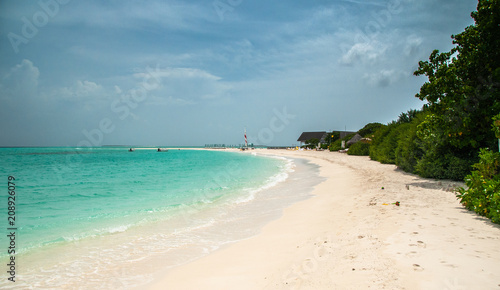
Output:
(413, 149)
(409, 150)
(337, 145)
(431, 166)
(369, 129)
(440, 158)
(359, 149)
(311, 143)
(458, 167)
(441, 165)
(385, 143)
(378, 138)
(483, 193)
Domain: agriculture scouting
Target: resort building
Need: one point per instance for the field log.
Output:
(321, 136)
(312, 135)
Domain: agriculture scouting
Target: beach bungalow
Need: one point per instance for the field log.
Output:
(321, 136)
(312, 135)
(354, 139)
(343, 134)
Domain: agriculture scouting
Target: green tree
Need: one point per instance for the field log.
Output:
(409, 150)
(312, 143)
(369, 129)
(496, 128)
(359, 149)
(337, 144)
(384, 143)
(331, 137)
(483, 186)
(482, 193)
(462, 92)
(408, 116)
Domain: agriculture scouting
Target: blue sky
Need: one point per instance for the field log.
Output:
(171, 73)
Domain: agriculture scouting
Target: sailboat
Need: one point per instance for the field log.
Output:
(246, 141)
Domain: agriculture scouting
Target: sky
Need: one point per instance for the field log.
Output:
(189, 73)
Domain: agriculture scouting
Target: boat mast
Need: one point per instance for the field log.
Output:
(246, 142)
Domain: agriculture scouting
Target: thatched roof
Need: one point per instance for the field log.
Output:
(343, 134)
(312, 135)
(354, 139)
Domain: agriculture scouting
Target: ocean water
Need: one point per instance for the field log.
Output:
(106, 217)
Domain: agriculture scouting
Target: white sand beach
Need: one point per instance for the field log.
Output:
(351, 235)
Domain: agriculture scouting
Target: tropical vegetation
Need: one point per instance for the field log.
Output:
(452, 136)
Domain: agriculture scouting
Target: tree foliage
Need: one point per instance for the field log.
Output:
(462, 88)
(337, 145)
(407, 117)
(462, 94)
(483, 192)
(483, 184)
(359, 149)
(496, 126)
(312, 143)
(409, 147)
(451, 136)
(369, 129)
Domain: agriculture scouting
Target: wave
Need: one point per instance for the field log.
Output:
(274, 180)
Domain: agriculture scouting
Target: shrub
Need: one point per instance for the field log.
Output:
(359, 149)
(369, 129)
(337, 145)
(408, 116)
(431, 166)
(312, 143)
(441, 159)
(407, 153)
(409, 150)
(483, 193)
(378, 138)
(458, 167)
(415, 147)
(385, 143)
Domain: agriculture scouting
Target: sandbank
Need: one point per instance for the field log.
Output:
(351, 235)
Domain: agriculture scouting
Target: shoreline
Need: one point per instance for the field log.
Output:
(131, 252)
(350, 235)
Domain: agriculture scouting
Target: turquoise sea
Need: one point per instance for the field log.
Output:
(106, 217)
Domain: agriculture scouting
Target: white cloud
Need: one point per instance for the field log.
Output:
(178, 73)
(80, 91)
(21, 82)
(20, 89)
(172, 15)
(413, 44)
(365, 53)
(155, 100)
(183, 84)
(384, 78)
(86, 88)
(364, 2)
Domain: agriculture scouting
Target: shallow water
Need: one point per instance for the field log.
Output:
(105, 217)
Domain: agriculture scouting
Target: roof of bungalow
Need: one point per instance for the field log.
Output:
(343, 134)
(312, 135)
(355, 139)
